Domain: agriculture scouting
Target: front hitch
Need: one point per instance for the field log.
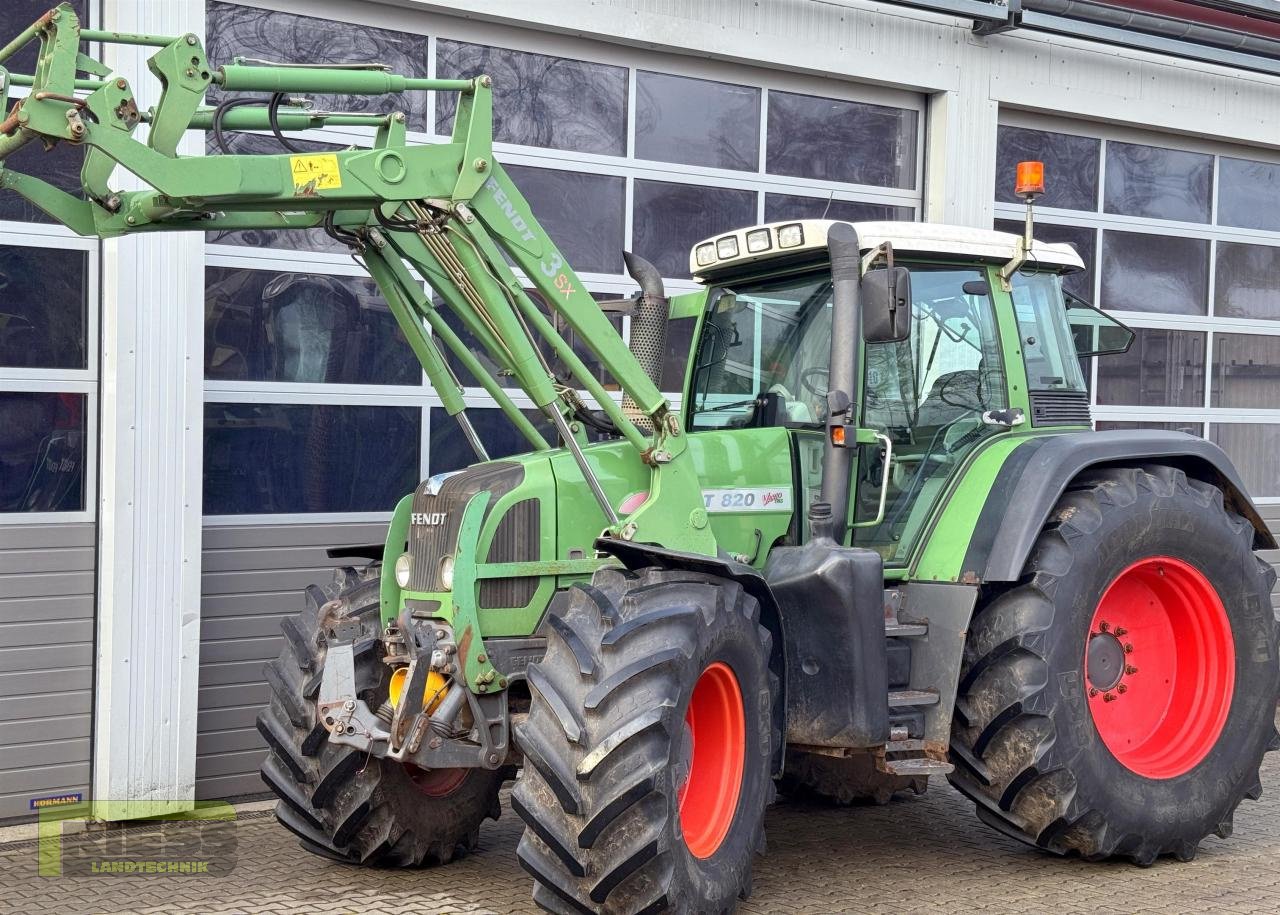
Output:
(451, 728)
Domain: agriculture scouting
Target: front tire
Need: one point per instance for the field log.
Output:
(648, 746)
(341, 803)
(1119, 699)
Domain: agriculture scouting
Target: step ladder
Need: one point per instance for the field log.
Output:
(904, 754)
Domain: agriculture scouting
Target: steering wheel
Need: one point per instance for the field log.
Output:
(808, 381)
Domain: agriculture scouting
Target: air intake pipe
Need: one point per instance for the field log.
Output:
(648, 329)
(846, 368)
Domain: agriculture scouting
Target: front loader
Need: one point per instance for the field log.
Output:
(877, 540)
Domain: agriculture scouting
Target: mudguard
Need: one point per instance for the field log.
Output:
(1036, 474)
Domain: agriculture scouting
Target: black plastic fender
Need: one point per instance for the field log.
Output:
(1036, 474)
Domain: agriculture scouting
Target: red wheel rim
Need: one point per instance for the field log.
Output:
(715, 734)
(1160, 667)
(436, 782)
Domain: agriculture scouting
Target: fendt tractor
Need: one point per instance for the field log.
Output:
(877, 541)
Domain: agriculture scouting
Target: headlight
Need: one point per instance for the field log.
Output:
(446, 573)
(404, 568)
(790, 236)
(758, 241)
(727, 247)
(706, 255)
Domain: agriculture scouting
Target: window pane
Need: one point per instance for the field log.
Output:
(18, 14)
(1246, 371)
(1255, 450)
(262, 325)
(697, 121)
(1158, 183)
(539, 100)
(1154, 273)
(1248, 194)
(285, 459)
(42, 452)
(1163, 368)
(778, 207)
(269, 35)
(835, 140)
(59, 166)
(1248, 277)
(671, 218)
(451, 451)
(43, 308)
(1117, 425)
(287, 239)
(1083, 239)
(1071, 164)
(583, 214)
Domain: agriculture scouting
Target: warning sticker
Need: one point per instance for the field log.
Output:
(312, 174)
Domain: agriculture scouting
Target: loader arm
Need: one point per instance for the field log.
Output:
(448, 211)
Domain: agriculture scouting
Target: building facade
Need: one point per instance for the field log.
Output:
(171, 475)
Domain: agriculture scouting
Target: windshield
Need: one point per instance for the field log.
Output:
(764, 355)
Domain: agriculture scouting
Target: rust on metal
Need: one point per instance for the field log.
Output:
(10, 124)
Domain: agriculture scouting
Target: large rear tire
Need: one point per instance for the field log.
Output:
(1119, 699)
(648, 746)
(341, 803)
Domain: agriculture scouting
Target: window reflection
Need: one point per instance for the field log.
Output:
(1255, 450)
(302, 327)
(289, 458)
(1246, 371)
(697, 121)
(778, 207)
(540, 100)
(1154, 273)
(1070, 161)
(1163, 368)
(670, 218)
(235, 30)
(837, 140)
(1158, 183)
(42, 452)
(43, 308)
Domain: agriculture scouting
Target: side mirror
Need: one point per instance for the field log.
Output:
(886, 305)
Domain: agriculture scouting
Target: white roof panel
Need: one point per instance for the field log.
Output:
(906, 237)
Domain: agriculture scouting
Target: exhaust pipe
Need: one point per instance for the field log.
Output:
(648, 329)
(846, 368)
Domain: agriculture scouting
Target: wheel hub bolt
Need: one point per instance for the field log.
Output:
(1093, 691)
(1108, 697)
(1122, 688)
(1130, 669)
(1120, 630)
(1128, 647)
(1104, 626)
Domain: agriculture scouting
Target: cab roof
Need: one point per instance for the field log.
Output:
(914, 238)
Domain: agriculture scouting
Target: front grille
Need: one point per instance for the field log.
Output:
(429, 543)
(1060, 408)
(515, 540)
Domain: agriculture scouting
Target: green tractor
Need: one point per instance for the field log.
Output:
(876, 541)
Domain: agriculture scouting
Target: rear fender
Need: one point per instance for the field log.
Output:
(1035, 475)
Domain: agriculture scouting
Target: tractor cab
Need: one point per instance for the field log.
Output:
(975, 358)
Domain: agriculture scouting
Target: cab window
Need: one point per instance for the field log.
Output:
(928, 395)
(764, 355)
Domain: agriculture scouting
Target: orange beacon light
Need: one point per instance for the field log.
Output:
(1030, 179)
